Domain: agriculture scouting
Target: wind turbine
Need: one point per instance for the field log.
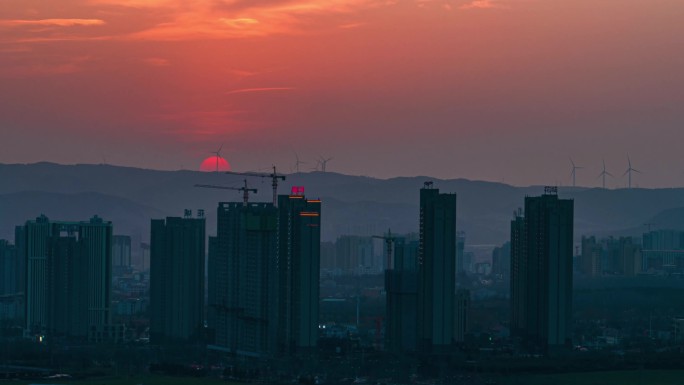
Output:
(323, 162)
(604, 173)
(629, 171)
(218, 155)
(298, 162)
(574, 171)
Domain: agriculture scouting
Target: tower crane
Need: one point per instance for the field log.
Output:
(274, 177)
(389, 241)
(245, 190)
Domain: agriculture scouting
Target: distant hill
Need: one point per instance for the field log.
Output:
(130, 197)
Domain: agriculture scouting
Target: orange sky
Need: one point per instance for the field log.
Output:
(485, 89)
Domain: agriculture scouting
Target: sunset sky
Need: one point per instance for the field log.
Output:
(500, 90)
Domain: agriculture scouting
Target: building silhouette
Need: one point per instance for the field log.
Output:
(622, 256)
(401, 285)
(9, 269)
(36, 236)
(590, 260)
(611, 256)
(299, 254)
(264, 267)
(462, 266)
(68, 279)
(328, 259)
(663, 252)
(11, 294)
(461, 316)
(177, 253)
(243, 284)
(436, 271)
(354, 254)
(121, 254)
(20, 245)
(501, 262)
(541, 271)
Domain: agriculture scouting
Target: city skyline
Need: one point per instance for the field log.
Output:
(267, 299)
(486, 90)
(346, 172)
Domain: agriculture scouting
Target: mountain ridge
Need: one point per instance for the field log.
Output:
(352, 204)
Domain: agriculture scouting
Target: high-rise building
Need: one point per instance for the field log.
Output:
(36, 236)
(663, 239)
(299, 254)
(518, 272)
(436, 271)
(243, 286)
(96, 241)
(590, 260)
(177, 253)
(354, 254)
(610, 256)
(461, 317)
(121, 252)
(67, 311)
(621, 256)
(501, 262)
(68, 284)
(632, 257)
(9, 268)
(264, 277)
(20, 244)
(462, 266)
(663, 251)
(401, 287)
(10, 292)
(328, 262)
(541, 271)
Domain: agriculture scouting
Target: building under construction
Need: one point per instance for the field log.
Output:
(264, 277)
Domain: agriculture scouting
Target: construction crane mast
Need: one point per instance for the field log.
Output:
(245, 190)
(274, 177)
(389, 241)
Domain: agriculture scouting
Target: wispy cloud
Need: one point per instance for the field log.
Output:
(187, 20)
(157, 62)
(259, 89)
(213, 19)
(138, 3)
(241, 73)
(242, 22)
(16, 49)
(52, 22)
(482, 4)
(68, 66)
(351, 25)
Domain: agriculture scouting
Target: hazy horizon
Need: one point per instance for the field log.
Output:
(292, 172)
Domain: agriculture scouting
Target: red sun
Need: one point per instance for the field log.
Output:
(211, 164)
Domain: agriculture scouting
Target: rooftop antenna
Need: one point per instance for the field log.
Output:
(218, 155)
(629, 172)
(604, 173)
(323, 162)
(574, 171)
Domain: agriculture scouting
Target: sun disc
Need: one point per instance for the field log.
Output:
(214, 163)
